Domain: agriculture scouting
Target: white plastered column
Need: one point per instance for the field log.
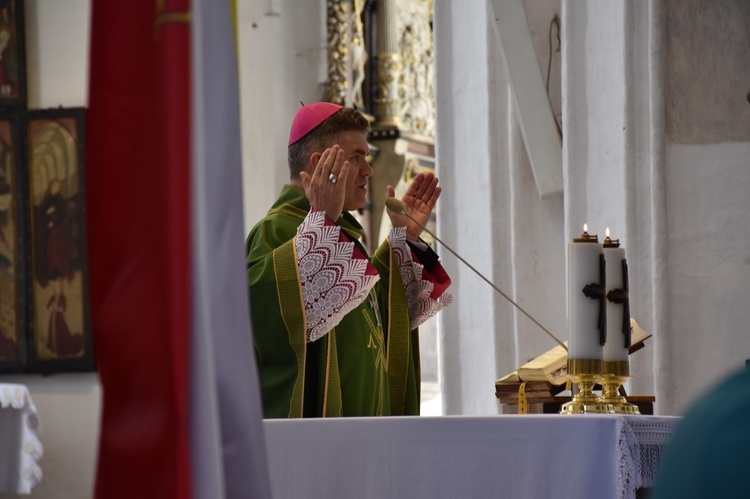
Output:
(464, 164)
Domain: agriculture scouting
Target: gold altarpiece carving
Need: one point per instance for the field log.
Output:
(381, 61)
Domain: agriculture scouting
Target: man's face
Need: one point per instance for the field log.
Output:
(354, 145)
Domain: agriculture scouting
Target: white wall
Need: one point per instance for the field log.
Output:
(57, 37)
(57, 52)
(282, 61)
(708, 198)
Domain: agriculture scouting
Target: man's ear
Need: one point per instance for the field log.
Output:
(313, 162)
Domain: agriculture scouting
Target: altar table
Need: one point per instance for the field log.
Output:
(519, 457)
(20, 448)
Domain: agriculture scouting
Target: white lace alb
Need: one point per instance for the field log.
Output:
(334, 282)
(418, 290)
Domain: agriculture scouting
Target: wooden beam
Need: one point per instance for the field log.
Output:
(531, 102)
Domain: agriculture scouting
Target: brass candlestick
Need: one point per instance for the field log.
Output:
(586, 373)
(615, 374)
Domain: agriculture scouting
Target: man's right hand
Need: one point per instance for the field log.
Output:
(323, 194)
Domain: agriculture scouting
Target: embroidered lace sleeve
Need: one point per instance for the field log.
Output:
(425, 290)
(335, 275)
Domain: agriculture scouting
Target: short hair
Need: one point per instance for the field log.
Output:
(321, 137)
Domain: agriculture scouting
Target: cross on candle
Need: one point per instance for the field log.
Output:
(586, 283)
(618, 306)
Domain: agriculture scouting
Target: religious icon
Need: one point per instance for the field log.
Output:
(11, 241)
(60, 319)
(12, 54)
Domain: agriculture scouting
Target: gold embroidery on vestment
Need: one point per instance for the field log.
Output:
(376, 333)
(287, 278)
(377, 340)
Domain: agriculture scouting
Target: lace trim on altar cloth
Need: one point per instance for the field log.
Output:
(641, 442)
(416, 281)
(16, 397)
(335, 276)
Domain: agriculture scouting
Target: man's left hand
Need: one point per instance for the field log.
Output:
(419, 201)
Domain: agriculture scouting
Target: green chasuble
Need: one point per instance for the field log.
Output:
(368, 365)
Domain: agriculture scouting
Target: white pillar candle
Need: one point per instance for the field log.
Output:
(615, 349)
(583, 312)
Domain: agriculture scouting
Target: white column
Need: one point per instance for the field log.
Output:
(594, 103)
(465, 167)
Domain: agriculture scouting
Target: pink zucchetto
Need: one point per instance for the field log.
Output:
(309, 117)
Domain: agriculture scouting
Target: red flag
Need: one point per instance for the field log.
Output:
(181, 412)
(138, 193)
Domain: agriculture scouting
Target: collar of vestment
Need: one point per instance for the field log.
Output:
(292, 201)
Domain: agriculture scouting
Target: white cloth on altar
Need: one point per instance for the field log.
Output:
(20, 448)
(531, 456)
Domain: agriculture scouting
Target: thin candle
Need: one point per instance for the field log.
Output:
(617, 348)
(584, 312)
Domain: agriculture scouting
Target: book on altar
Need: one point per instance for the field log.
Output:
(552, 366)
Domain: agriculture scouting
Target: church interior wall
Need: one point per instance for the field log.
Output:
(707, 130)
(633, 75)
(282, 61)
(709, 267)
(682, 203)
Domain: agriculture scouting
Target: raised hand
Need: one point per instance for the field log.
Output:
(323, 193)
(419, 201)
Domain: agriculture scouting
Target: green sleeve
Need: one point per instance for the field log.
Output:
(277, 316)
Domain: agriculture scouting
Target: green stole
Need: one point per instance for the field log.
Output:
(368, 365)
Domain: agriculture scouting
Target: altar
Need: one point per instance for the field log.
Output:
(528, 457)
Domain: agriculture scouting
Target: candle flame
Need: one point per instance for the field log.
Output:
(606, 232)
(585, 227)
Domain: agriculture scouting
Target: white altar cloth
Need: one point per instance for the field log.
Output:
(20, 448)
(520, 457)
